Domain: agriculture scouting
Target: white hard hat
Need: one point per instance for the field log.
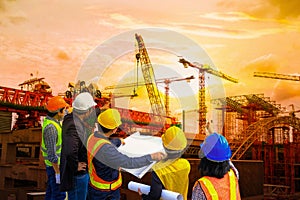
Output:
(83, 102)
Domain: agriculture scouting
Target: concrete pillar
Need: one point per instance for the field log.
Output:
(11, 153)
(4, 152)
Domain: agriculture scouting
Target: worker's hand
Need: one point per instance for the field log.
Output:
(158, 156)
(122, 141)
(140, 192)
(57, 178)
(81, 166)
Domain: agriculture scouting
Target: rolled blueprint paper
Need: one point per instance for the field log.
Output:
(145, 189)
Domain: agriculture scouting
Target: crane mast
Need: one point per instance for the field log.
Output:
(202, 69)
(149, 77)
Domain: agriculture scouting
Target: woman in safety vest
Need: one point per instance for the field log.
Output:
(219, 177)
(51, 145)
(172, 173)
(104, 159)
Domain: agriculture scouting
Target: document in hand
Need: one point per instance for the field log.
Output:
(139, 145)
(145, 189)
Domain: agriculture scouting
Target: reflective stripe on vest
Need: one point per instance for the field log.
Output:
(212, 190)
(93, 146)
(58, 142)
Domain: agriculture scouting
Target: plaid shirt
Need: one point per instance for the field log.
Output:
(50, 139)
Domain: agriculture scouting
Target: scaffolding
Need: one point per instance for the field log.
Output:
(256, 131)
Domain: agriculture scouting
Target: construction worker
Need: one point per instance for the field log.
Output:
(51, 145)
(77, 126)
(104, 159)
(172, 173)
(220, 177)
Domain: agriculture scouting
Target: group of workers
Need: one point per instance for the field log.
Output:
(83, 162)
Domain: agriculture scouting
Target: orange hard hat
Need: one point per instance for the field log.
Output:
(56, 103)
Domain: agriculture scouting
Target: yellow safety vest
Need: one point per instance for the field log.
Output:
(174, 174)
(93, 146)
(58, 142)
(218, 189)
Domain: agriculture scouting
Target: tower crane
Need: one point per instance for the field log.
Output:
(149, 77)
(167, 88)
(204, 68)
(277, 76)
(166, 81)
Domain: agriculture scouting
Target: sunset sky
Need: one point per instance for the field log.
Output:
(52, 39)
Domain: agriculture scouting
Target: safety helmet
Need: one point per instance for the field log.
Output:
(55, 104)
(110, 118)
(174, 139)
(83, 102)
(215, 148)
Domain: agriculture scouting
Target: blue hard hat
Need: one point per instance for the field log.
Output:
(215, 148)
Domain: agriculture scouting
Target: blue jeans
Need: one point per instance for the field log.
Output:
(110, 195)
(79, 192)
(53, 192)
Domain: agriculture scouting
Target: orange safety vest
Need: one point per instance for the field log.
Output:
(226, 188)
(93, 146)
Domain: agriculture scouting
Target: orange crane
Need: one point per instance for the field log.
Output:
(277, 76)
(149, 77)
(166, 81)
(204, 68)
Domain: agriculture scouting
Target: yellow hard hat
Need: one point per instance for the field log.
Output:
(110, 118)
(174, 139)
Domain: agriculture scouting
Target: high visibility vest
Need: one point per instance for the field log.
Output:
(58, 142)
(93, 146)
(226, 188)
(174, 174)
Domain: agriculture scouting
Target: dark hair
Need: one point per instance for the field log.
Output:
(103, 129)
(213, 169)
(51, 114)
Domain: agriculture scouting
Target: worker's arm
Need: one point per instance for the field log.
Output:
(236, 172)
(155, 189)
(197, 193)
(50, 138)
(110, 156)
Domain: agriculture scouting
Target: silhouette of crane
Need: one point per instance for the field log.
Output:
(166, 81)
(204, 68)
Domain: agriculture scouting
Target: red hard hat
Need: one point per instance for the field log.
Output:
(56, 103)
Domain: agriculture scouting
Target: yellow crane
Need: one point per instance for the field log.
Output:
(202, 69)
(280, 77)
(166, 81)
(149, 77)
(277, 76)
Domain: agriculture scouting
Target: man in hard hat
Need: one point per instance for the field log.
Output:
(172, 173)
(104, 159)
(77, 126)
(219, 176)
(51, 145)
